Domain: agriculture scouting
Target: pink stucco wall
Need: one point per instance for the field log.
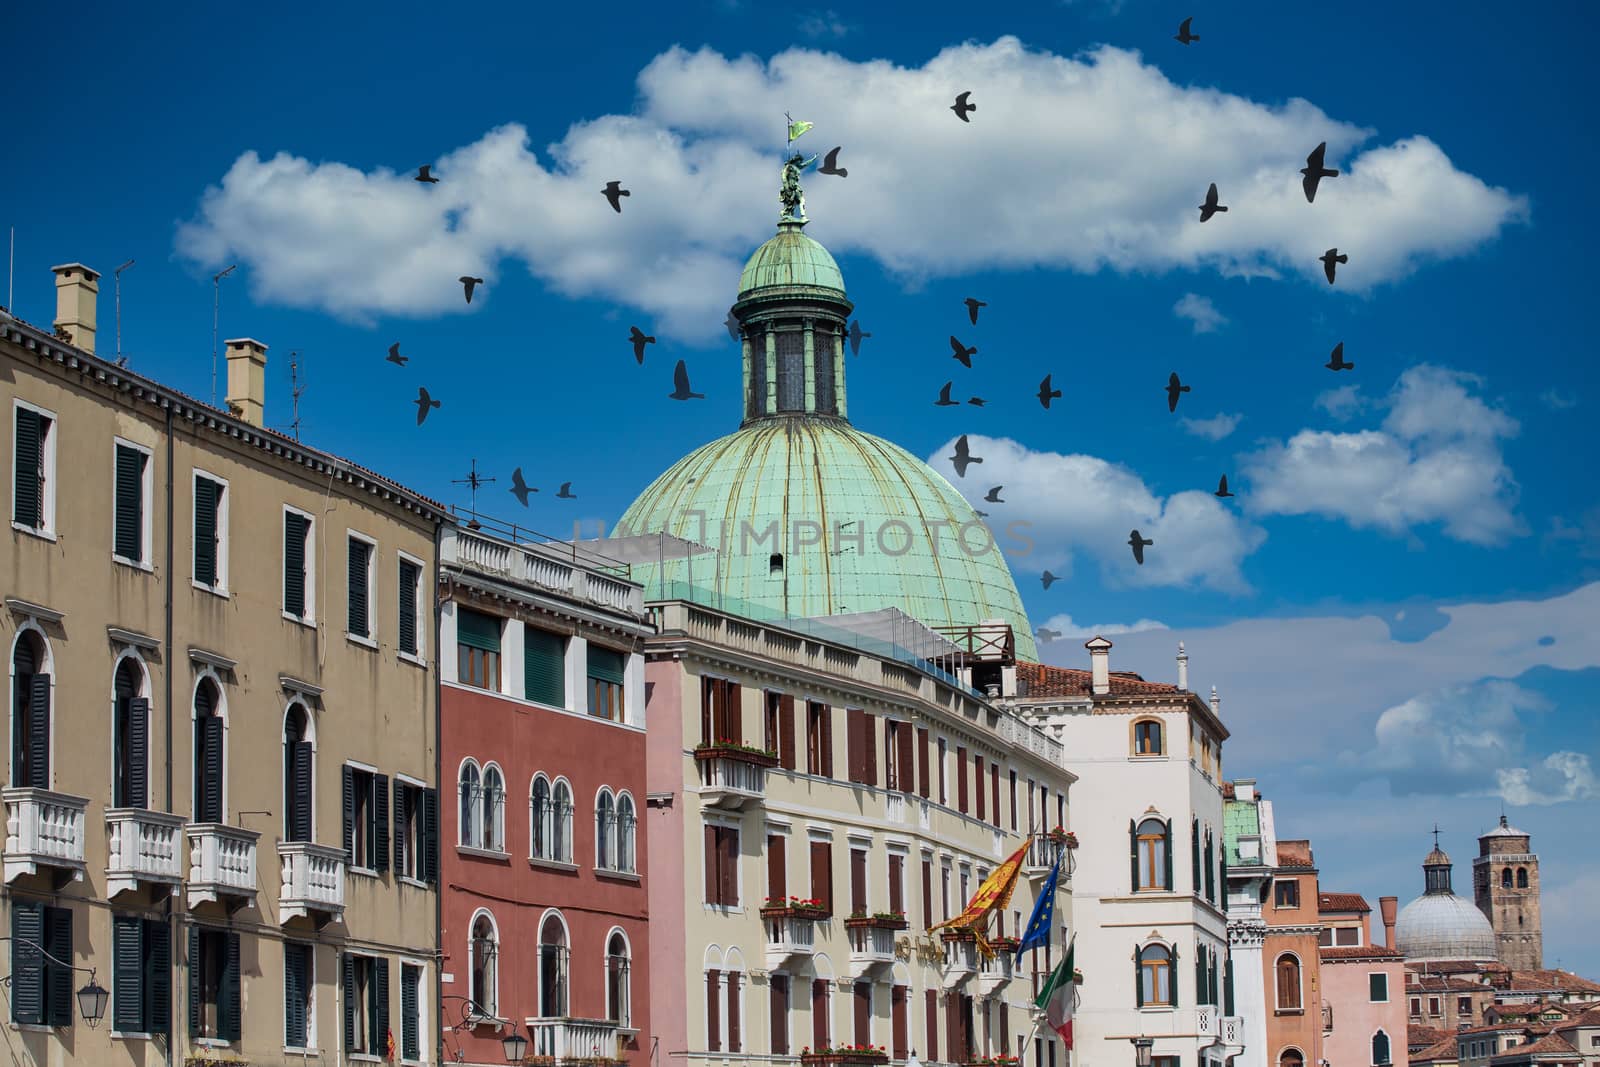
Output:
(667, 841)
(1346, 986)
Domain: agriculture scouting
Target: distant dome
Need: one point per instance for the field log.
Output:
(1443, 926)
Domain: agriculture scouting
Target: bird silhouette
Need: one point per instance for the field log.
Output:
(424, 402)
(1049, 579)
(972, 308)
(424, 176)
(1047, 394)
(1314, 171)
(1329, 258)
(1174, 387)
(614, 193)
(977, 401)
(944, 400)
(1222, 488)
(830, 164)
(680, 384)
(962, 108)
(963, 458)
(732, 324)
(1210, 207)
(856, 334)
(1047, 635)
(961, 351)
(520, 488)
(980, 514)
(993, 496)
(1183, 36)
(469, 283)
(1138, 545)
(639, 339)
(395, 357)
(1336, 359)
(565, 492)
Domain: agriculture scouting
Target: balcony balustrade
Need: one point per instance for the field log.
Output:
(791, 934)
(144, 846)
(732, 778)
(44, 830)
(871, 944)
(996, 973)
(573, 1039)
(312, 882)
(222, 864)
(960, 957)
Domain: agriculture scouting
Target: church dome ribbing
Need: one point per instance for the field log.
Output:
(1440, 925)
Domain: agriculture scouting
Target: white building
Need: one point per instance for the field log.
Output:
(1250, 847)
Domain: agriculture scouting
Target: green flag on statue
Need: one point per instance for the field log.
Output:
(797, 128)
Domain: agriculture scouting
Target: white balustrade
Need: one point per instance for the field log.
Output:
(960, 962)
(537, 565)
(144, 846)
(894, 807)
(871, 949)
(994, 974)
(1233, 1031)
(312, 880)
(924, 814)
(730, 782)
(222, 862)
(43, 829)
(790, 937)
(569, 1039)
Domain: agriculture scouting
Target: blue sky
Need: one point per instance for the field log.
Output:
(1412, 517)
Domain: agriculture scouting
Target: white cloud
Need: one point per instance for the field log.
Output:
(823, 24)
(1113, 185)
(1200, 311)
(1558, 399)
(1343, 403)
(1213, 429)
(1561, 777)
(1063, 625)
(1450, 740)
(1436, 458)
(1082, 504)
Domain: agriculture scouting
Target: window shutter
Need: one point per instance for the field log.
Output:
(211, 741)
(819, 1013)
(1199, 975)
(854, 752)
(205, 531)
(380, 986)
(786, 732)
(922, 762)
(409, 573)
(294, 564)
(822, 873)
(1133, 854)
(930, 1015)
(129, 526)
(27, 965)
(897, 883)
(1227, 986)
(734, 1042)
(1168, 855)
(544, 670)
(827, 741)
(1195, 854)
(1138, 980)
(779, 1021)
(358, 555)
(477, 630)
(26, 502)
(300, 780)
(194, 981)
(977, 782)
(730, 866)
(713, 866)
(294, 995)
(229, 1015)
(858, 880)
(899, 1039)
(157, 977)
(607, 665)
(59, 1003)
(713, 1011)
(907, 769)
(39, 731)
(961, 779)
(127, 970)
(410, 1039)
(927, 893)
(380, 820)
(869, 750)
(347, 785)
(1173, 972)
(777, 875)
(401, 797)
(994, 793)
(138, 751)
(430, 836)
(347, 978)
(863, 1013)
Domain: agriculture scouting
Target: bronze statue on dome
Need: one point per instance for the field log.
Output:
(790, 195)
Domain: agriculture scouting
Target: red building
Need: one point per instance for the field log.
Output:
(543, 928)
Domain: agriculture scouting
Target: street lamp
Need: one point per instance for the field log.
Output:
(516, 1047)
(92, 1002)
(1141, 1050)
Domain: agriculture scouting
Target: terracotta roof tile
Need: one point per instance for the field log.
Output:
(1359, 952)
(1549, 979)
(1423, 1036)
(1294, 853)
(1042, 680)
(1444, 1051)
(1432, 984)
(1342, 902)
(1545, 1045)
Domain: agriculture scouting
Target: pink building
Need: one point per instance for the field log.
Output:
(1363, 988)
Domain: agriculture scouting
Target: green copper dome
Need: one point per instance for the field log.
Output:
(791, 260)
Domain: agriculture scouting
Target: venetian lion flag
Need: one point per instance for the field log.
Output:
(1055, 999)
(993, 895)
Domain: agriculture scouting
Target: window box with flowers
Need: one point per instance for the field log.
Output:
(794, 908)
(727, 748)
(210, 1057)
(959, 933)
(1063, 837)
(991, 1061)
(880, 920)
(844, 1055)
(1005, 945)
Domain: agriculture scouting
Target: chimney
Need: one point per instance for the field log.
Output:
(247, 379)
(1183, 668)
(1099, 665)
(1244, 789)
(1216, 703)
(76, 289)
(1386, 907)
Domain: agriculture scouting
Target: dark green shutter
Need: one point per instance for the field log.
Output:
(27, 965)
(408, 607)
(545, 667)
(401, 797)
(347, 964)
(138, 751)
(300, 777)
(129, 526)
(380, 1000)
(347, 783)
(127, 973)
(380, 822)
(194, 981)
(295, 977)
(205, 531)
(1133, 854)
(294, 564)
(39, 731)
(211, 743)
(1227, 986)
(1195, 854)
(1199, 974)
(1173, 971)
(1138, 980)
(229, 1015)
(157, 977)
(58, 976)
(477, 630)
(26, 505)
(410, 1039)
(429, 862)
(1211, 869)
(606, 665)
(360, 554)
(1168, 851)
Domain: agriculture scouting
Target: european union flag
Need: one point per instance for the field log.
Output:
(1044, 913)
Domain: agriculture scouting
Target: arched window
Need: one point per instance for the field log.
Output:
(1380, 1049)
(1155, 976)
(561, 822)
(485, 956)
(1505, 878)
(1147, 738)
(619, 993)
(30, 712)
(494, 809)
(210, 757)
(298, 778)
(539, 818)
(1291, 1057)
(471, 828)
(130, 720)
(1522, 877)
(605, 852)
(1152, 854)
(1288, 972)
(554, 954)
(625, 835)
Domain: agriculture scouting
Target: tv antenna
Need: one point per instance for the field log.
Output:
(475, 481)
(116, 281)
(296, 387)
(216, 303)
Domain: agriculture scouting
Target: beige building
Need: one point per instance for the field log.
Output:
(220, 797)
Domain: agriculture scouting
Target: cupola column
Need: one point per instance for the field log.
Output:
(811, 367)
(750, 399)
(771, 404)
(838, 374)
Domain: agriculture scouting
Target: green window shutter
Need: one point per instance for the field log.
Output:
(1138, 980)
(477, 630)
(1133, 855)
(410, 1038)
(1168, 850)
(545, 667)
(1173, 971)
(127, 973)
(27, 965)
(1227, 986)
(605, 664)
(195, 995)
(295, 975)
(409, 572)
(157, 977)
(229, 1016)
(26, 499)
(347, 788)
(1194, 852)
(401, 800)
(1200, 974)
(294, 564)
(347, 964)
(428, 864)
(206, 493)
(59, 1002)
(129, 527)
(380, 1000)
(379, 813)
(360, 555)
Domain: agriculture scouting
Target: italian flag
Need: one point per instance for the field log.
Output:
(1055, 999)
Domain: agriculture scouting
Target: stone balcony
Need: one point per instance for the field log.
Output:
(791, 934)
(1043, 851)
(144, 847)
(44, 830)
(732, 778)
(960, 957)
(222, 864)
(312, 882)
(871, 943)
(573, 1039)
(1232, 1034)
(996, 973)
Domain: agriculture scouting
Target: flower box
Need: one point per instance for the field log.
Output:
(214, 1058)
(790, 911)
(732, 750)
(844, 1057)
(960, 934)
(1005, 944)
(991, 1061)
(880, 921)
(1065, 838)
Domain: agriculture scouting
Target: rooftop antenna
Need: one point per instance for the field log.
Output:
(216, 303)
(295, 389)
(11, 270)
(116, 278)
(475, 481)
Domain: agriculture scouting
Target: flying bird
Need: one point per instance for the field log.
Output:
(972, 308)
(732, 324)
(1138, 545)
(1336, 359)
(977, 401)
(521, 488)
(980, 514)
(1329, 258)
(469, 283)
(424, 176)
(680, 384)
(962, 459)
(1047, 635)
(1314, 171)
(640, 339)
(962, 108)
(1222, 488)
(830, 164)
(395, 357)
(1174, 387)
(962, 352)
(614, 193)
(565, 492)
(944, 400)
(1183, 36)
(856, 335)
(1210, 207)
(1047, 394)
(424, 402)
(993, 496)
(1049, 579)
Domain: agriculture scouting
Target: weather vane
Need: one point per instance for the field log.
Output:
(475, 481)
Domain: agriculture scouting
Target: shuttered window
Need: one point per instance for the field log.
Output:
(141, 975)
(544, 667)
(605, 683)
(961, 779)
(29, 496)
(410, 837)
(478, 649)
(208, 546)
(410, 574)
(863, 1013)
(722, 865)
(779, 985)
(820, 1028)
(822, 873)
(296, 553)
(298, 982)
(208, 755)
(214, 1005)
(366, 818)
(366, 1004)
(410, 1011)
(359, 561)
(41, 987)
(899, 1029)
(128, 528)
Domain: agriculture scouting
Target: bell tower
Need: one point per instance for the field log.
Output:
(1505, 886)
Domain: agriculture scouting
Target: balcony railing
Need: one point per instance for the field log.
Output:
(1233, 1031)
(996, 973)
(145, 846)
(732, 778)
(791, 935)
(960, 958)
(222, 863)
(573, 1039)
(871, 946)
(312, 881)
(43, 829)
(1206, 1021)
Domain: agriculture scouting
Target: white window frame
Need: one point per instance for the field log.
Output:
(146, 502)
(605, 969)
(413, 855)
(310, 593)
(370, 638)
(221, 588)
(47, 500)
(311, 1000)
(632, 858)
(538, 965)
(609, 833)
(492, 827)
(423, 1000)
(494, 928)
(420, 657)
(476, 814)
